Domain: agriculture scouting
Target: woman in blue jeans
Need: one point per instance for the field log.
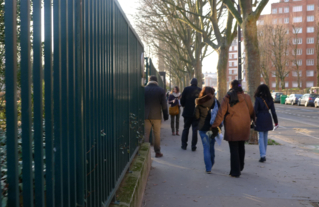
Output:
(264, 102)
(206, 105)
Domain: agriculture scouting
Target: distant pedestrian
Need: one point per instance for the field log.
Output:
(189, 95)
(174, 101)
(155, 105)
(264, 102)
(206, 106)
(237, 111)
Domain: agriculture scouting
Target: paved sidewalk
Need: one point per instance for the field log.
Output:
(290, 177)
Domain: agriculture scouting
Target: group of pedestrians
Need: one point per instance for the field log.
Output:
(203, 112)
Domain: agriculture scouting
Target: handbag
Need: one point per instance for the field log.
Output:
(173, 111)
(252, 123)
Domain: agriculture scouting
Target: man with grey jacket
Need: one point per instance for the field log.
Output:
(155, 104)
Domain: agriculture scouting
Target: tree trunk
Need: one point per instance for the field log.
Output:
(252, 58)
(283, 83)
(222, 72)
(252, 62)
(198, 73)
(318, 72)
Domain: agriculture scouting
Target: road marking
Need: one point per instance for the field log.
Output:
(315, 125)
(301, 133)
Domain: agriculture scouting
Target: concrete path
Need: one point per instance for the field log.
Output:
(290, 177)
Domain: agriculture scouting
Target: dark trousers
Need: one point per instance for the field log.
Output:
(188, 122)
(175, 119)
(237, 157)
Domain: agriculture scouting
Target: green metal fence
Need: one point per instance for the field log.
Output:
(151, 70)
(82, 108)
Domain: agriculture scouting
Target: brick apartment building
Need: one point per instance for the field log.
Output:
(303, 14)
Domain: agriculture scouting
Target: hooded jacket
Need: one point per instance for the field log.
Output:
(189, 95)
(203, 111)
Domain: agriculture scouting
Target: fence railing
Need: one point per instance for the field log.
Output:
(151, 70)
(82, 102)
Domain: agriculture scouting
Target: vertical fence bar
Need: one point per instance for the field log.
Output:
(50, 201)
(11, 101)
(38, 106)
(79, 86)
(26, 113)
(71, 97)
(57, 104)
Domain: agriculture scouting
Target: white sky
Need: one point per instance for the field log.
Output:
(209, 63)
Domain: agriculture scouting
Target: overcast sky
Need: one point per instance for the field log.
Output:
(209, 64)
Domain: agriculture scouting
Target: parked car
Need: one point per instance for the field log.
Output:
(317, 102)
(307, 100)
(276, 96)
(293, 99)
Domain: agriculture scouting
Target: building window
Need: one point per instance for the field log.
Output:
(274, 11)
(298, 51)
(294, 73)
(310, 7)
(273, 74)
(274, 21)
(310, 40)
(299, 63)
(309, 84)
(310, 51)
(310, 18)
(297, 41)
(310, 62)
(280, 10)
(286, 10)
(297, 9)
(286, 84)
(286, 0)
(297, 19)
(310, 29)
(297, 30)
(230, 64)
(235, 55)
(235, 48)
(273, 84)
(230, 56)
(310, 73)
(295, 84)
(286, 20)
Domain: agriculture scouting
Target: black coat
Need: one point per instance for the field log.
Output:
(189, 95)
(155, 102)
(264, 122)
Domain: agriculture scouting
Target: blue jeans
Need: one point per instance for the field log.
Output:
(209, 151)
(263, 141)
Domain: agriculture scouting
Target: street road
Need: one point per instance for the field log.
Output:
(298, 125)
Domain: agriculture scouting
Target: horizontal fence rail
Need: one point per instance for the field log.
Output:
(73, 104)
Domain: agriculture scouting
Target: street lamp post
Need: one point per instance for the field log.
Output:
(239, 49)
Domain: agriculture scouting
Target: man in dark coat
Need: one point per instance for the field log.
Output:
(189, 95)
(155, 104)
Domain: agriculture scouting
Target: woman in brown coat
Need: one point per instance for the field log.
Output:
(237, 112)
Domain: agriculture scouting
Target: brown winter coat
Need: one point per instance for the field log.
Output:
(236, 119)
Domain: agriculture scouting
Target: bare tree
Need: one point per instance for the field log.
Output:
(317, 50)
(296, 53)
(247, 19)
(264, 40)
(210, 23)
(279, 50)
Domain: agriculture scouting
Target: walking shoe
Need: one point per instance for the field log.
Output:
(234, 176)
(262, 159)
(158, 154)
(184, 148)
(173, 134)
(194, 149)
(177, 133)
(209, 172)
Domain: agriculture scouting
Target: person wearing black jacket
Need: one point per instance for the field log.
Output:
(205, 111)
(264, 102)
(155, 104)
(189, 95)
